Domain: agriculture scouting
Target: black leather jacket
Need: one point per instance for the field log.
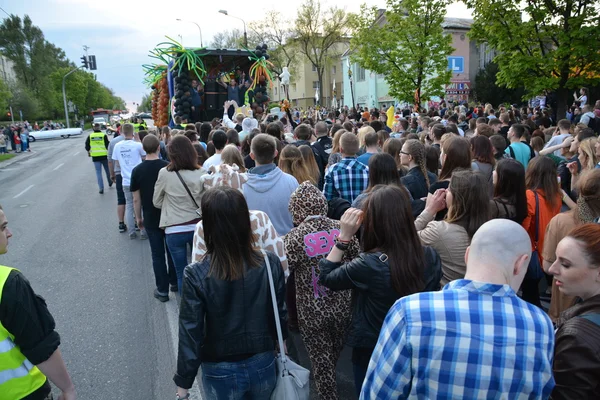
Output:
(219, 320)
(577, 353)
(373, 295)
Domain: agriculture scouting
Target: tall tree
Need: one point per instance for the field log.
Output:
(275, 31)
(407, 45)
(319, 35)
(488, 91)
(228, 39)
(146, 103)
(542, 45)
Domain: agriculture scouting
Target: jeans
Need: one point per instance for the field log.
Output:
(178, 246)
(250, 379)
(98, 165)
(23, 142)
(129, 211)
(2, 149)
(162, 275)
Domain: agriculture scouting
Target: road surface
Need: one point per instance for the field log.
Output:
(117, 340)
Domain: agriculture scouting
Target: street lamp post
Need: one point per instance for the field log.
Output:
(224, 12)
(65, 95)
(199, 30)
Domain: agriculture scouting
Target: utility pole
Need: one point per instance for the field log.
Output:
(65, 96)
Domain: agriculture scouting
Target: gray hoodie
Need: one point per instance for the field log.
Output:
(269, 189)
(585, 118)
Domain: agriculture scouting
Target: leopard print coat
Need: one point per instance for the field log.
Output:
(323, 315)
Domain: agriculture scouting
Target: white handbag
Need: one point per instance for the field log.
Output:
(292, 379)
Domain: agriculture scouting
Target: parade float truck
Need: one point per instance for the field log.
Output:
(171, 79)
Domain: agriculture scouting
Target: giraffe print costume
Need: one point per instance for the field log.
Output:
(323, 315)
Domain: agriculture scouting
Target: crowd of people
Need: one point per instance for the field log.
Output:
(429, 243)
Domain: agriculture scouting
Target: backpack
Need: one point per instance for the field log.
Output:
(594, 124)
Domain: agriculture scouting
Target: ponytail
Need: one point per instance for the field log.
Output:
(417, 151)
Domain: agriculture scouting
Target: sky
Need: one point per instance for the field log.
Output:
(121, 33)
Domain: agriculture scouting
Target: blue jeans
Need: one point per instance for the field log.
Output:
(178, 246)
(98, 165)
(162, 275)
(250, 379)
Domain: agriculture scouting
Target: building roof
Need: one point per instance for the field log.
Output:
(457, 23)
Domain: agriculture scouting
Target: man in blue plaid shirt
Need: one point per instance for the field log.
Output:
(348, 178)
(474, 339)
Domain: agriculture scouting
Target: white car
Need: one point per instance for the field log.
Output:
(101, 121)
(51, 134)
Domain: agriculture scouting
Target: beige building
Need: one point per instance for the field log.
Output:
(304, 82)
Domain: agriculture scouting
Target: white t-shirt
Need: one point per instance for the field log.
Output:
(129, 154)
(212, 160)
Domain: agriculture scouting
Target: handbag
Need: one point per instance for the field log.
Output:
(187, 189)
(534, 269)
(292, 379)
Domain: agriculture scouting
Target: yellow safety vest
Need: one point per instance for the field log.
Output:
(97, 145)
(18, 377)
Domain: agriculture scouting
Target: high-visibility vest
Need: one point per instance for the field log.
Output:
(97, 145)
(18, 377)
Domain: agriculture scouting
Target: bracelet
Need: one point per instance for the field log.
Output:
(341, 240)
(343, 246)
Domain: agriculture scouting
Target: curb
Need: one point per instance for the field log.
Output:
(16, 159)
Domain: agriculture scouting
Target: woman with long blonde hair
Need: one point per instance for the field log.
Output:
(310, 161)
(336, 156)
(291, 162)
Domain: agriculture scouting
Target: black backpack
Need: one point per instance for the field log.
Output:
(594, 124)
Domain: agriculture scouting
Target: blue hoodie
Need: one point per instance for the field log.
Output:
(269, 189)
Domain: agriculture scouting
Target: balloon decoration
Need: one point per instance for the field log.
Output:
(260, 74)
(185, 65)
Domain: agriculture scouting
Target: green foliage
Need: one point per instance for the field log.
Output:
(5, 95)
(40, 66)
(488, 91)
(407, 45)
(318, 34)
(542, 45)
(146, 104)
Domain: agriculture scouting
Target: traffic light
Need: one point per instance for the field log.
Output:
(84, 62)
(92, 62)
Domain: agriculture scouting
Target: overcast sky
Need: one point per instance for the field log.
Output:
(121, 32)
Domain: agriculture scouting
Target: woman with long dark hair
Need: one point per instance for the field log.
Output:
(393, 264)
(393, 147)
(179, 210)
(483, 158)
(542, 186)
(417, 180)
(576, 272)
(226, 319)
(509, 200)
(468, 206)
(382, 171)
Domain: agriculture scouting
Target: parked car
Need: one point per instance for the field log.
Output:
(56, 133)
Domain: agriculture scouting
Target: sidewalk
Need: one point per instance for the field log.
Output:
(18, 157)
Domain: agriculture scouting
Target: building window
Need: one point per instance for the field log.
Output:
(293, 87)
(315, 84)
(334, 70)
(314, 68)
(275, 91)
(360, 74)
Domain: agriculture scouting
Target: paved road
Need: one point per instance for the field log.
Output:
(117, 340)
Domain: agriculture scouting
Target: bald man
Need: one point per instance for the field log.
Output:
(475, 339)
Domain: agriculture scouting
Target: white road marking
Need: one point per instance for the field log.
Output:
(7, 169)
(58, 166)
(24, 191)
(76, 153)
(173, 320)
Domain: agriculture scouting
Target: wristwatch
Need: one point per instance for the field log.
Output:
(341, 244)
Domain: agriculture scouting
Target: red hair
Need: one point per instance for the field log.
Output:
(589, 236)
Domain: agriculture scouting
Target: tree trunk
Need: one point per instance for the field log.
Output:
(562, 103)
(320, 76)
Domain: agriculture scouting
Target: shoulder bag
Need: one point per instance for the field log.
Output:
(187, 189)
(534, 270)
(292, 379)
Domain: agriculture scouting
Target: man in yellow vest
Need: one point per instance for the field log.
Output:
(97, 147)
(29, 353)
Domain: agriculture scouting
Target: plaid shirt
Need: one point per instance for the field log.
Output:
(471, 340)
(346, 179)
